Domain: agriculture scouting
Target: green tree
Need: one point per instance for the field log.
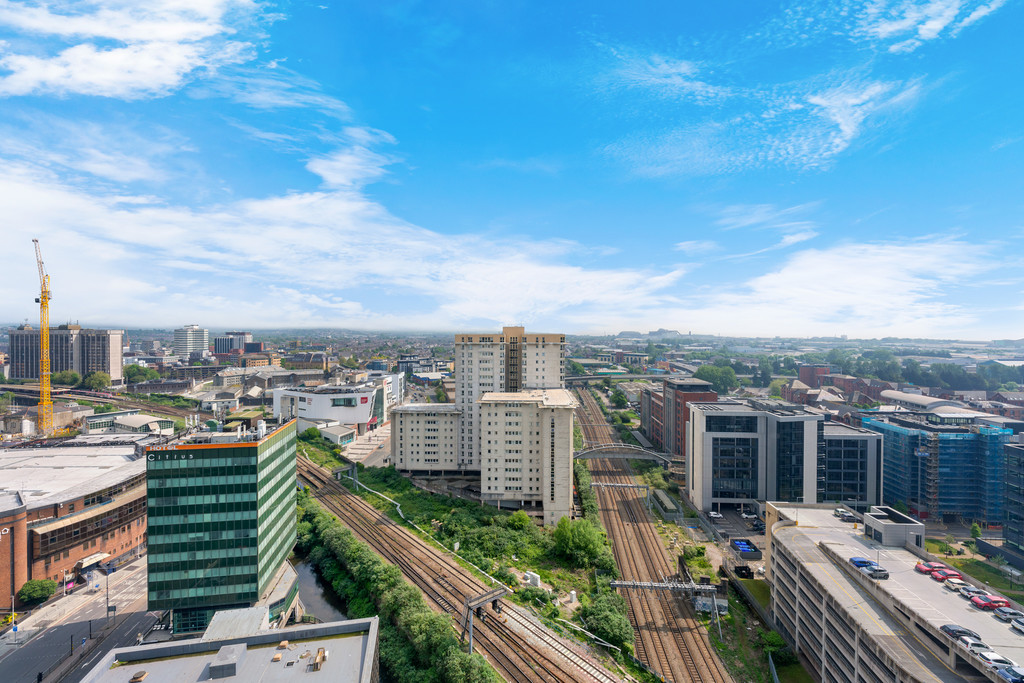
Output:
(6, 401)
(311, 435)
(37, 590)
(575, 369)
(66, 377)
(134, 374)
(605, 617)
(96, 381)
(722, 379)
(901, 507)
(607, 381)
(578, 541)
(975, 531)
(619, 399)
(775, 387)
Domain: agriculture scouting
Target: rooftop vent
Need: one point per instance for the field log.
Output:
(227, 661)
(138, 677)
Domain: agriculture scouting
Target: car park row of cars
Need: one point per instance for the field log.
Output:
(967, 639)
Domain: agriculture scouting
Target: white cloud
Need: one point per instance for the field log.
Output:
(801, 126)
(156, 46)
(897, 288)
(349, 167)
(691, 247)
(665, 77)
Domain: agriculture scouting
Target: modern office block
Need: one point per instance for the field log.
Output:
(221, 522)
(71, 348)
(190, 339)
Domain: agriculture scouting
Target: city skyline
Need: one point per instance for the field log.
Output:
(798, 169)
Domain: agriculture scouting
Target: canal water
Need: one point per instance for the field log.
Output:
(318, 599)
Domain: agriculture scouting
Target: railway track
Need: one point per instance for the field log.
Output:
(669, 639)
(520, 649)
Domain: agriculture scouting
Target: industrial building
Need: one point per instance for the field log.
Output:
(741, 452)
(240, 645)
(70, 507)
(222, 524)
(945, 463)
(848, 626)
(72, 347)
(508, 429)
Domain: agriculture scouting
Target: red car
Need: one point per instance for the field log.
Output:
(943, 574)
(989, 601)
(929, 567)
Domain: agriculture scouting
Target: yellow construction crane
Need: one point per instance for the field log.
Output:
(44, 421)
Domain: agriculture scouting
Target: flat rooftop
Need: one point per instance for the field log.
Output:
(918, 592)
(350, 646)
(427, 408)
(47, 475)
(554, 398)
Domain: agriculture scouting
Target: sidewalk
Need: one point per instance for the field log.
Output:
(55, 612)
(374, 443)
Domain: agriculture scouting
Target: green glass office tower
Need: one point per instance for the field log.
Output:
(221, 521)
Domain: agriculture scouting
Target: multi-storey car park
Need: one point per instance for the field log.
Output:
(70, 507)
(850, 627)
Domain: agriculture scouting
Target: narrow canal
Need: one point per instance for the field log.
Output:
(318, 599)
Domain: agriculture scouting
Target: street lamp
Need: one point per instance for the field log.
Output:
(64, 583)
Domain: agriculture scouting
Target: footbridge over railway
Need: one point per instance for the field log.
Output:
(622, 450)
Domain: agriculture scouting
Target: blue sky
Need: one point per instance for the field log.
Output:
(807, 168)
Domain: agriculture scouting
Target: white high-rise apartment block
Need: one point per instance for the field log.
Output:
(190, 338)
(511, 423)
(511, 361)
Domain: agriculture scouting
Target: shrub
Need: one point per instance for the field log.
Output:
(37, 590)
(605, 617)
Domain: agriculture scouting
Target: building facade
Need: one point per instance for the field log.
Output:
(677, 395)
(943, 465)
(511, 420)
(231, 342)
(191, 339)
(507, 362)
(221, 521)
(71, 348)
(742, 452)
(1013, 529)
(67, 509)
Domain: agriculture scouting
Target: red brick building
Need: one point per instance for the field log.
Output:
(68, 509)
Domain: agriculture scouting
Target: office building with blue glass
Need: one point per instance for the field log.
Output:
(948, 464)
(222, 523)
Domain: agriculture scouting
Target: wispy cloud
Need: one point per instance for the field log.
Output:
(530, 165)
(800, 126)
(896, 26)
(693, 247)
(662, 76)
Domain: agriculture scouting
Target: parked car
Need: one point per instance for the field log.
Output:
(848, 517)
(1007, 613)
(1013, 674)
(954, 585)
(873, 571)
(839, 512)
(715, 515)
(994, 660)
(859, 562)
(970, 591)
(1017, 625)
(748, 515)
(943, 574)
(972, 644)
(954, 631)
(989, 601)
(928, 567)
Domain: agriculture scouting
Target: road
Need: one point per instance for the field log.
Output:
(126, 633)
(64, 636)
